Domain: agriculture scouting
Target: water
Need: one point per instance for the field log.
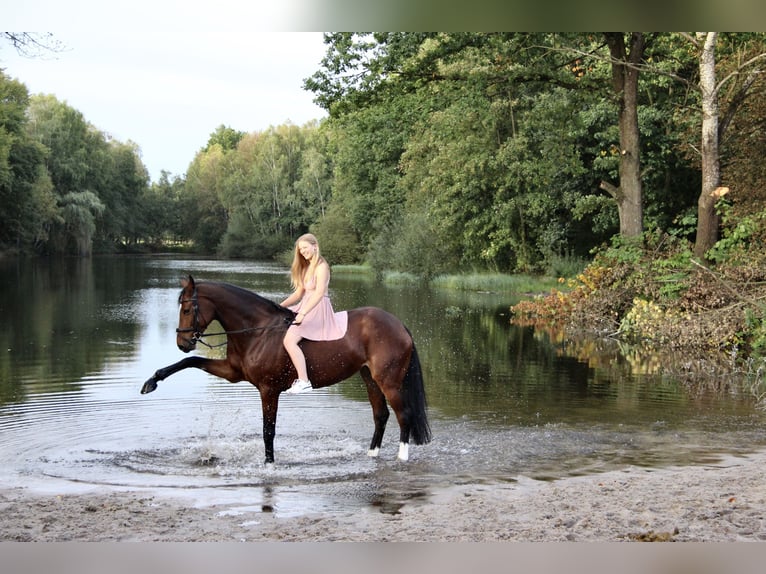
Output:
(81, 337)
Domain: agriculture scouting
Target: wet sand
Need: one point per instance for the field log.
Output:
(721, 501)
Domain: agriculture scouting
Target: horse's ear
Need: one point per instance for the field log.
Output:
(187, 281)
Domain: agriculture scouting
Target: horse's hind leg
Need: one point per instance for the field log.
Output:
(402, 416)
(380, 412)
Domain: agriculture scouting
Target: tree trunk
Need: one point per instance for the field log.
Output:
(629, 194)
(707, 218)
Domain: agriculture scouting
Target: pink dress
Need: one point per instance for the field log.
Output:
(321, 323)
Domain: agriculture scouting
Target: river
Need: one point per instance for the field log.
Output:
(81, 336)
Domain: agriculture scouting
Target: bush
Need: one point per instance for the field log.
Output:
(241, 240)
(412, 246)
(340, 245)
(654, 291)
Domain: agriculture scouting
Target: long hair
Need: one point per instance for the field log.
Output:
(300, 265)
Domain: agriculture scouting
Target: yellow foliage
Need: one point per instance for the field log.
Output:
(644, 321)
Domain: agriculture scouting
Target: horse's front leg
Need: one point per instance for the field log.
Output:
(217, 367)
(269, 404)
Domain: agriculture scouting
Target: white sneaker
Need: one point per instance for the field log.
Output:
(299, 386)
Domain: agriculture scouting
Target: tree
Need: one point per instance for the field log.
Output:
(83, 161)
(707, 219)
(160, 215)
(713, 131)
(78, 211)
(26, 195)
(625, 60)
(204, 217)
(120, 181)
(314, 184)
(228, 138)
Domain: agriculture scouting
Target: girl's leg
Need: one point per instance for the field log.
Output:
(290, 342)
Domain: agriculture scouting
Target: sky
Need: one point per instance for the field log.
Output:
(168, 89)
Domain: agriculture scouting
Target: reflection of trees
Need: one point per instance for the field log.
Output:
(699, 372)
(476, 363)
(606, 354)
(55, 332)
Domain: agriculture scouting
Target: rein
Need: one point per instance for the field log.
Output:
(197, 336)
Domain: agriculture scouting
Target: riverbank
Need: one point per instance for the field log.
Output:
(724, 500)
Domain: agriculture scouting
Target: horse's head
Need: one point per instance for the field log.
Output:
(239, 311)
(191, 320)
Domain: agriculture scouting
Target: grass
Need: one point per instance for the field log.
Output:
(496, 282)
(352, 269)
(490, 282)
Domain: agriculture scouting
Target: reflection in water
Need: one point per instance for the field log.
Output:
(81, 336)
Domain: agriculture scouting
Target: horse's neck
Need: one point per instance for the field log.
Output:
(237, 311)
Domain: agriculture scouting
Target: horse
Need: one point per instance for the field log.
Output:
(376, 345)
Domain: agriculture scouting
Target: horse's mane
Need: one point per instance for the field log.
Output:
(242, 293)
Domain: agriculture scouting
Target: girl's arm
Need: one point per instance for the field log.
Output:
(294, 298)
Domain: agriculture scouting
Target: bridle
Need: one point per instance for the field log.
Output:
(197, 335)
(194, 330)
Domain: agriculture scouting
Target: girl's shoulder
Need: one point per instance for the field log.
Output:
(322, 271)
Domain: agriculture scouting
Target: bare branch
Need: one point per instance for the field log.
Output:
(736, 102)
(739, 70)
(689, 37)
(33, 44)
(611, 189)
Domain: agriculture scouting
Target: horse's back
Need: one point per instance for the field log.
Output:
(377, 323)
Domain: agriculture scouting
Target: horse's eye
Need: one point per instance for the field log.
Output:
(186, 311)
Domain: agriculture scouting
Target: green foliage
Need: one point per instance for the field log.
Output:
(443, 152)
(745, 234)
(78, 210)
(28, 204)
(73, 187)
(623, 250)
(511, 136)
(225, 137)
(161, 220)
(242, 240)
(340, 245)
(412, 246)
(755, 330)
(565, 266)
(366, 147)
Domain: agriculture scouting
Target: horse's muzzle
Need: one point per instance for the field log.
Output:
(185, 344)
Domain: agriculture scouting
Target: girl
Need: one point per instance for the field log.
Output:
(315, 319)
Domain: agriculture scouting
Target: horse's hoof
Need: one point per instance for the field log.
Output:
(268, 461)
(148, 387)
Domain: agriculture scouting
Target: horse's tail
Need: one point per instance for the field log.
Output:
(415, 398)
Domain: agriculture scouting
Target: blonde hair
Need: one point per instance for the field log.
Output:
(300, 264)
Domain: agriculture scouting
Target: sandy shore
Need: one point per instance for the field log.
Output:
(723, 501)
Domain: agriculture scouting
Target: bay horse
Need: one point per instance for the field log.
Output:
(376, 345)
